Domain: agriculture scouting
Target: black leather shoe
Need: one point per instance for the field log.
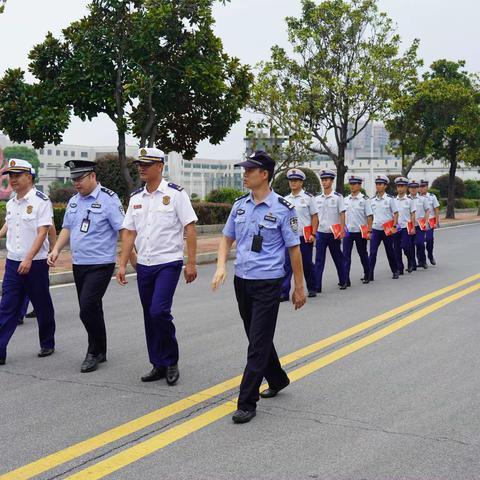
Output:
(343, 287)
(312, 294)
(395, 276)
(272, 392)
(20, 321)
(432, 260)
(31, 314)
(410, 269)
(45, 352)
(424, 265)
(349, 283)
(2, 361)
(172, 374)
(283, 298)
(365, 280)
(156, 373)
(243, 416)
(90, 363)
(400, 272)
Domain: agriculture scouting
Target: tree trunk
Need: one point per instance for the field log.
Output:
(122, 159)
(341, 169)
(451, 184)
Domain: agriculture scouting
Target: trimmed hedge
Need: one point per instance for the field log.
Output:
(223, 195)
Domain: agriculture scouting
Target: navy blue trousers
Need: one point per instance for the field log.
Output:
(420, 244)
(361, 244)
(24, 308)
(258, 302)
(156, 286)
(35, 284)
(378, 236)
(429, 240)
(325, 240)
(403, 242)
(306, 250)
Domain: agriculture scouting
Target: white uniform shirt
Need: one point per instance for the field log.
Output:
(358, 208)
(434, 203)
(24, 217)
(384, 208)
(329, 209)
(405, 207)
(422, 204)
(159, 218)
(305, 207)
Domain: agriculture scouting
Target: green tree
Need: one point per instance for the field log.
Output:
(2, 5)
(223, 195)
(472, 189)
(154, 67)
(23, 153)
(344, 70)
(448, 100)
(442, 184)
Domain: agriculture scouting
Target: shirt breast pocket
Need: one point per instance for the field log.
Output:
(239, 222)
(165, 215)
(97, 215)
(28, 220)
(270, 232)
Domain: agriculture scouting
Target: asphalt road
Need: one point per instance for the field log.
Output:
(398, 399)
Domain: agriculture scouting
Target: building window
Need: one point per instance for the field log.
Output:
(84, 154)
(42, 165)
(65, 153)
(396, 164)
(72, 153)
(49, 152)
(360, 164)
(41, 151)
(57, 153)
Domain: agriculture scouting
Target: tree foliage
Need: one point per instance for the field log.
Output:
(342, 73)
(441, 184)
(154, 67)
(224, 195)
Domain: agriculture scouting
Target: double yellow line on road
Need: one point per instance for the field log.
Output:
(171, 435)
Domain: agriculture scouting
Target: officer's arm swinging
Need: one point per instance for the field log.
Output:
(3, 230)
(190, 271)
(62, 240)
(25, 266)
(298, 297)
(221, 273)
(128, 241)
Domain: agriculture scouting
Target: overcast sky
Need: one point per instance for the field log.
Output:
(248, 28)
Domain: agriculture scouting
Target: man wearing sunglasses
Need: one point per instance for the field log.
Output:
(93, 218)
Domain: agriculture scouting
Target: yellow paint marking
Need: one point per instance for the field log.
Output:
(86, 446)
(161, 440)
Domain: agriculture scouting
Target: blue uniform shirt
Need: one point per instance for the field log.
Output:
(276, 220)
(98, 245)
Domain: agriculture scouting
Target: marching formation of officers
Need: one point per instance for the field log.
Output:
(275, 239)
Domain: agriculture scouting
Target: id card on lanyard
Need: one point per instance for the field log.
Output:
(85, 225)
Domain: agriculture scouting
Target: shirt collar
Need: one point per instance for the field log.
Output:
(27, 197)
(94, 193)
(331, 194)
(267, 201)
(162, 187)
(299, 194)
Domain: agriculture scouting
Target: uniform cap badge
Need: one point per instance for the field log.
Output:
(29, 209)
(166, 200)
(143, 151)
(12, 163)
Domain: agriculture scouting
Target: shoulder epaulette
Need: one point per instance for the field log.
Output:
(339, 194)
(366, 196)
(107, 191)
(41, 195)
(308, 194)
(243, 196)
(286, 203)
(175, 187)
(391, 196)
(138, 190)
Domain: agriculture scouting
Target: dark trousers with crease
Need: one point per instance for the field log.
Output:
(91, 282)
(35, 284)
(402, 242)
(420, 245)
(258, 303)
(429, 242)
(379, 236)
(361, 244)
(324, 241)
(156, 287)
(306, 249)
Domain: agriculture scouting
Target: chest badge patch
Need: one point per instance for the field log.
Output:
(136, 207)
(166, 200)
(270, 218)
(29, 209)
(96, 205)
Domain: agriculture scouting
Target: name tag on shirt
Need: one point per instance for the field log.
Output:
(136, 207)
(270, 218)
(96, 205)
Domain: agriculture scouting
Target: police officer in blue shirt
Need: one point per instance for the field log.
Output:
(28, 218)
(92, 221)
(358, 213)
(384, 210)
(262, 223)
